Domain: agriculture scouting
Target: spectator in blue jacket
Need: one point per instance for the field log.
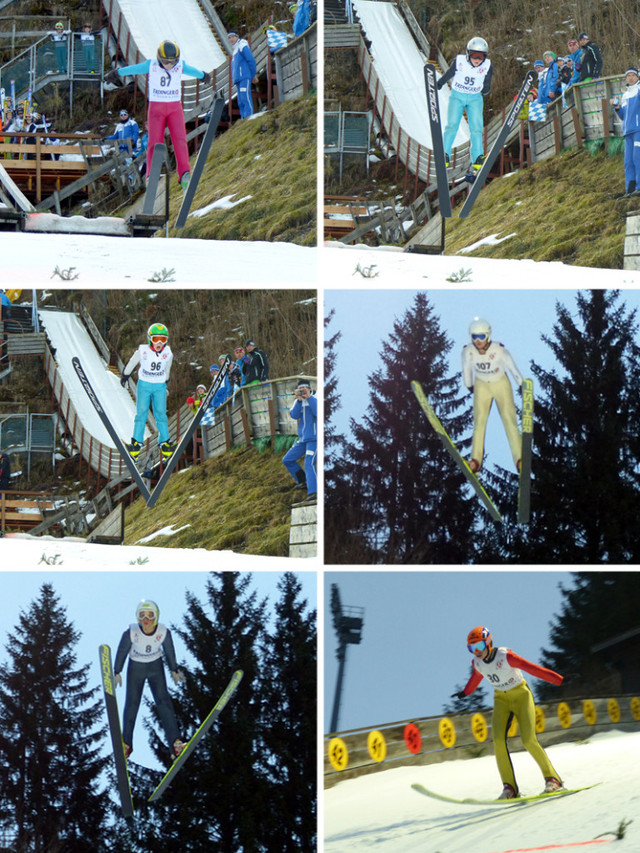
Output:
(127, 128)
(243, 73)
(575, 52)
(305, 411)
(224, 391)
(548, 89)
(628, 108)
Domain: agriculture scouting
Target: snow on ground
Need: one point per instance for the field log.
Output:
(399, 65)
(360, 266)
(89, 260)
(70, 338)
(183, 22)
(381, 811)
(38, 553)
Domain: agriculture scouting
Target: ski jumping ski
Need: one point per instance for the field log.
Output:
(436, 139)
(427, 408)
(122, 774)
(505, 130)
(186, 437)
(213, 715)
(470, 801)
(524, 489)
(122, 450)
(159, 157)
(201, 159)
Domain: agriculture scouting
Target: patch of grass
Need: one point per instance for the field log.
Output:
(561, 209)
(272, 159)
(240, 501)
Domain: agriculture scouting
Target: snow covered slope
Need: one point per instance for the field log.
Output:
(381, 812)
(70, 338)
(182, 22)
(399, 64)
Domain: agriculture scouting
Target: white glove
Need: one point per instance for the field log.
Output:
(178, 676)
(118, 680)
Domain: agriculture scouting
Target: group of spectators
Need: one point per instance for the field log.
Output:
(557, 73)
(59, 36)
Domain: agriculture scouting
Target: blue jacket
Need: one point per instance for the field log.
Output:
(576, 56)
(126, 130)
(243, 65)
(629, 110)
(549, 84)
(306, 411)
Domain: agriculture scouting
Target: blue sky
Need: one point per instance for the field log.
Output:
(518, 319)
(413, 652)
(101, 605)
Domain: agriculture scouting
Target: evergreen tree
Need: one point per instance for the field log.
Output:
(414, 505)
(220, 801)
(344, 542)
(49, 740)
(290, 718)
(586, 488)
(598, 606)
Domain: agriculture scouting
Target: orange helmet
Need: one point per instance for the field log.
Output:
(479, 638)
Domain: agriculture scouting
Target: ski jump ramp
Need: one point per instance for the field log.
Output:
(393, 69)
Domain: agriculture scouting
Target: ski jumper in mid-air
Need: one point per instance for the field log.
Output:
(145, 643)
(484, 372)
(154, 360)
(512, 698)
(470, 74)
(165, 107)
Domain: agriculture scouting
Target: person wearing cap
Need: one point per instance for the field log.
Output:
(575, 55)
(305, 411)
(127, 128)
(591, 61)
(236, 375)
(195, 401)
(256, 369)
(243, 73)
(628, 109)
(88, 42)
(59, 39)
(547, 90)
(224, 391)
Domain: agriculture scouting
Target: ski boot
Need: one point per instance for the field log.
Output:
(474, 169)
(184, 180)
(167, 448)
(310, 499)
(134, 449)
(178, 747)
(127, 750)
(446, 161)
(301, 480)
(508, 792)
(552, 784)
(474, 465)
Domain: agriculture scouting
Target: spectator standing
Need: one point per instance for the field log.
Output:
(224, 391)
(6, 305)
(243, 73)
(59, 39)
(127, 128)
(591, 61)
(236, 375)
(5, 471)
(628, 108)
(305, 411)
(195, 401)
(257, 368)
(548, 88)
(88, 42)
(575, 54)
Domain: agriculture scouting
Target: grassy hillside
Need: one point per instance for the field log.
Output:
(561, 209)
(240, 501)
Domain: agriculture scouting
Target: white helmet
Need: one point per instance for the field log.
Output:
(147, 605)
(477, 44)
(478, 326)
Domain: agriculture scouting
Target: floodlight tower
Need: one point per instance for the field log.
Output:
(347, 622)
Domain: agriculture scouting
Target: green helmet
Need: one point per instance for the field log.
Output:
(157, 330)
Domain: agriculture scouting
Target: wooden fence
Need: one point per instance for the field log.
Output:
(434, 739)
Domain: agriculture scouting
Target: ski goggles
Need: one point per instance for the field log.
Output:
(146, 614)
(159, 339)
(475, 55)
(479, 336)
(477, 647)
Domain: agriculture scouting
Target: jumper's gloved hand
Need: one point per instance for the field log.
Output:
(178, 676)
(118, 680)
(459, 695)
(114, 78)
(124, 379)
(206, 79)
